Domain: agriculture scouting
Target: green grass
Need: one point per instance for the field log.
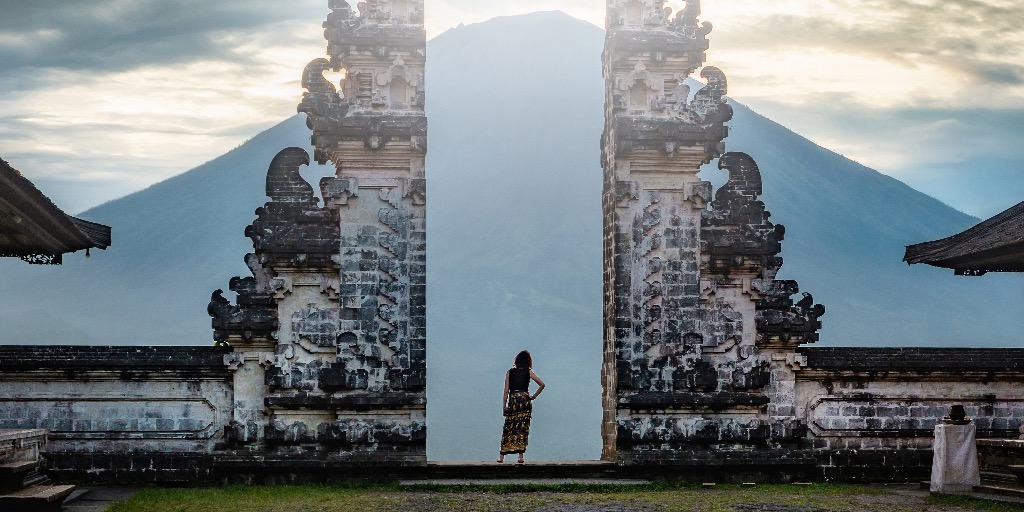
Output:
(653, 497)
(651, 487)
(257, 499)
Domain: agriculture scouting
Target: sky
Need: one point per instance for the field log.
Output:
(99, 98)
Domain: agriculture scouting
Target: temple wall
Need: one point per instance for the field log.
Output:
(175, 414)
(119, 413)
(871, 412)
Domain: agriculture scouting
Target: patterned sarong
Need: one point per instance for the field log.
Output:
(516, 434)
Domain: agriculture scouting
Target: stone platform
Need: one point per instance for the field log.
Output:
(261, 472)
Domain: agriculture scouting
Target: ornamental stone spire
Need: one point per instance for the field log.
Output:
(329, 332)
(698, 333)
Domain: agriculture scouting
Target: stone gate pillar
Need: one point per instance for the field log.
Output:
(698, 335)
(330, 331)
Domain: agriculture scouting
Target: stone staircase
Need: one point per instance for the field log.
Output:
(1001, 483)
(1002, 467)
(23, 486)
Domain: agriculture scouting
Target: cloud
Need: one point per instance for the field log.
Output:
(988, 72)
(135, 91)
(977, 39)
(115, 35)
(928, 91)
(109, 96)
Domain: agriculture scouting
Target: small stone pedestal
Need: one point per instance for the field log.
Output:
(955, 463)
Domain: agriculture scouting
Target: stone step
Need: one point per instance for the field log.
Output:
(15, 468)
(35, 479)
(1018, 472)
(510, 470)
(526, 481)
(1016, 492)
(998, 479)
(36, 498)
(18, 475)
(13, 475)
(19, 454)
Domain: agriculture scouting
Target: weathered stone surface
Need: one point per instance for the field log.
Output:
(334, 316)
(102, 404)
(693, 313)
(129, 362)
(955, 459)
(18, 446)
(871, 413)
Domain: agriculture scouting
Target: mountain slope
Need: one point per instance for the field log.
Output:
(847, 229)
(514, 240)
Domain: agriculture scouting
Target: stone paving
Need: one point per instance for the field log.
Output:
(97, 499)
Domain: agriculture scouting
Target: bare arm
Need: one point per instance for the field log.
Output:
(539, 382)
(504, 396)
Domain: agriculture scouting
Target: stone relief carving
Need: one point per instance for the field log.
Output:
(626, 192)
(399, 86)
(321, 98)
(253, 317)
(708, 107)
(687, 24)
(642, 88)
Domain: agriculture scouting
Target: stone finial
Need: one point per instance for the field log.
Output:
(284, 183)
(957, 416)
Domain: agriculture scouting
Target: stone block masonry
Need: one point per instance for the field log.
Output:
(871, 412)
(119, 413)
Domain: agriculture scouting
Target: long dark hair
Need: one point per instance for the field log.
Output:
(524, 361)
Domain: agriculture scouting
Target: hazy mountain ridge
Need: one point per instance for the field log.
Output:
(514, 240)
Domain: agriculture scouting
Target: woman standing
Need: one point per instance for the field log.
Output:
(518, 406)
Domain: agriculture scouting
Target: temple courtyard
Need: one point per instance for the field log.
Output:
(315, 368)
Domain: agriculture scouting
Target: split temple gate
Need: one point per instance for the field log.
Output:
(320, 368)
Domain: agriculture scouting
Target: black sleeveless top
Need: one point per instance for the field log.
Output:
(518, 380)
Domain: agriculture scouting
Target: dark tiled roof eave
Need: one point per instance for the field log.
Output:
(914, 359)
(33, 225)
(98, 234)
(84, 358)
(995, 245)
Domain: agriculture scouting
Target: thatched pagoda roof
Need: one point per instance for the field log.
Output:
(36, 230)
(995, 245)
